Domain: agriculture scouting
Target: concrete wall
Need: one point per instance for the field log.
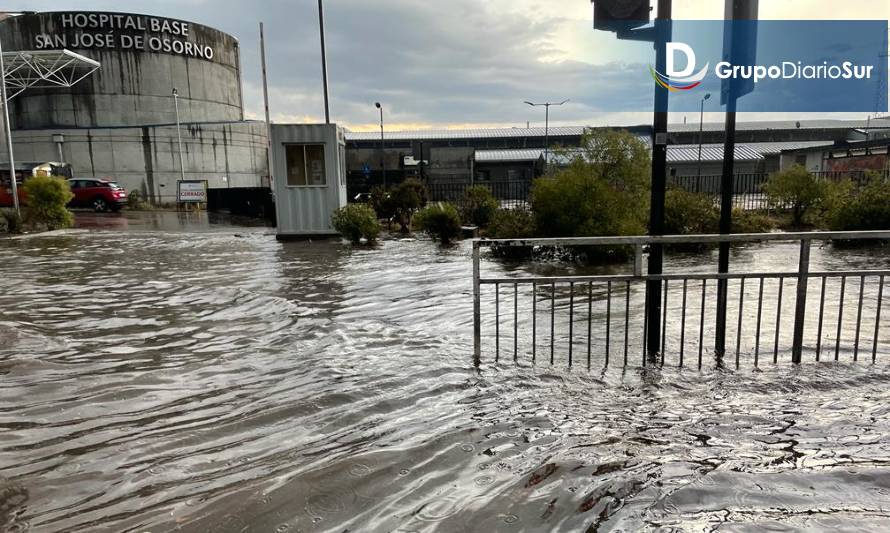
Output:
(134, 85)
(228, 155)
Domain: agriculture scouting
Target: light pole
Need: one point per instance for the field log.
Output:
(8, 128)
(701, 130)
(178, 134)
(324, 62)
(546, 126)
(382, 144)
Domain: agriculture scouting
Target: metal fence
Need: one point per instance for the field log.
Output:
(747, 190)
(600, 320)
(509, 193)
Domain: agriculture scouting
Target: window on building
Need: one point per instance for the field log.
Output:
(305, 165)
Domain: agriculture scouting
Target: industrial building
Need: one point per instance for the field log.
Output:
(122, 121)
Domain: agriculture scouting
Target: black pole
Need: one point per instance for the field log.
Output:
(659, 170)
(546, 134)
(701, 134)
(324, 63)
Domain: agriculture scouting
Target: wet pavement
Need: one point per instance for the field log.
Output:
(175, 372)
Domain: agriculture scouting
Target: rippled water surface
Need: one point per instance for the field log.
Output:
(161, 374)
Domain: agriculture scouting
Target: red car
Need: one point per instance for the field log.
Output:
(100, 195)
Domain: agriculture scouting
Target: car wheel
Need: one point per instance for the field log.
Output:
(100, 205)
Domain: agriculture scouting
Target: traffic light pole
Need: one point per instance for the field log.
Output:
(659, 177)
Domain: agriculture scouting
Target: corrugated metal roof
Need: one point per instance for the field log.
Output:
(682, 153)
(489, 156)
(678, 153)
(782, 125)
(775, 148)
(481, 133)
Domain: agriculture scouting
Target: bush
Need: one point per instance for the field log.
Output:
(406, 199)
(512, 224)
(381, 201)
(866, 209)
(479, 206)
(750, 222)
(687, 213)
(10, 221)
(602, 193)
(47, 198)
(135, 201)
(356, 221)
(441, 221)
(797, 190)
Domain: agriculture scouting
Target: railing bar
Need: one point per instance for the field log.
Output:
(683, 324)
(874, 349)
(497, 323)
(645, 326)
(571, 321)
(759, 323)
(589, 321)
(681, 277)
(821, 318)
(626, 321)
(664, 315)
(778, 321)
(685, 239)
(608, 321)
(840, 321)
(738, 342)
(701, 325)
(534, 321)
(552, 321)
(515, 322)
(859, 319)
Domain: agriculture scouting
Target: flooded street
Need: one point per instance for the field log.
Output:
(162, 373)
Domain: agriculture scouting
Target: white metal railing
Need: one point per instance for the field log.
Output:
(617, 295)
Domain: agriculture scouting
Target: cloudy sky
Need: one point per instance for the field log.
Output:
(446, 64)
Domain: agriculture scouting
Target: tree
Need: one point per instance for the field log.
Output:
(797, 190)
(47, 197)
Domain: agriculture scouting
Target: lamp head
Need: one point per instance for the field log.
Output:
(707, 96)
(377, 105)
(175, 92)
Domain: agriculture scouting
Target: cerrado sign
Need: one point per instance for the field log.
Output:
(112, 31)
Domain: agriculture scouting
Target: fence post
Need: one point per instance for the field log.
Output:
(803, 276)
(477, 315)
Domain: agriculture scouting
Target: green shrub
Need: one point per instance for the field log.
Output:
(406, 199)
(10, 221)
(356, 221)
(750, 222)
(512, 224)
(381, 202)
(797, 190)
(602, 193)
(135, 201)
(479, 206)
(47, 198)
(687, 213)
(866, 209)
(440, 220)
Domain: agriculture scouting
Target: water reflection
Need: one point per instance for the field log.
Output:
(216, 380)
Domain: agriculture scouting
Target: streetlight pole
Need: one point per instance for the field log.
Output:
(178, 134)
(382, 144)
(701, 130)
(546, 126)
(8, 128)
(324, 63)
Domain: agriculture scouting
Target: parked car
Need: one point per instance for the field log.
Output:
(98, 194)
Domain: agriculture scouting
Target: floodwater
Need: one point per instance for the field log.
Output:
(161, 373)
